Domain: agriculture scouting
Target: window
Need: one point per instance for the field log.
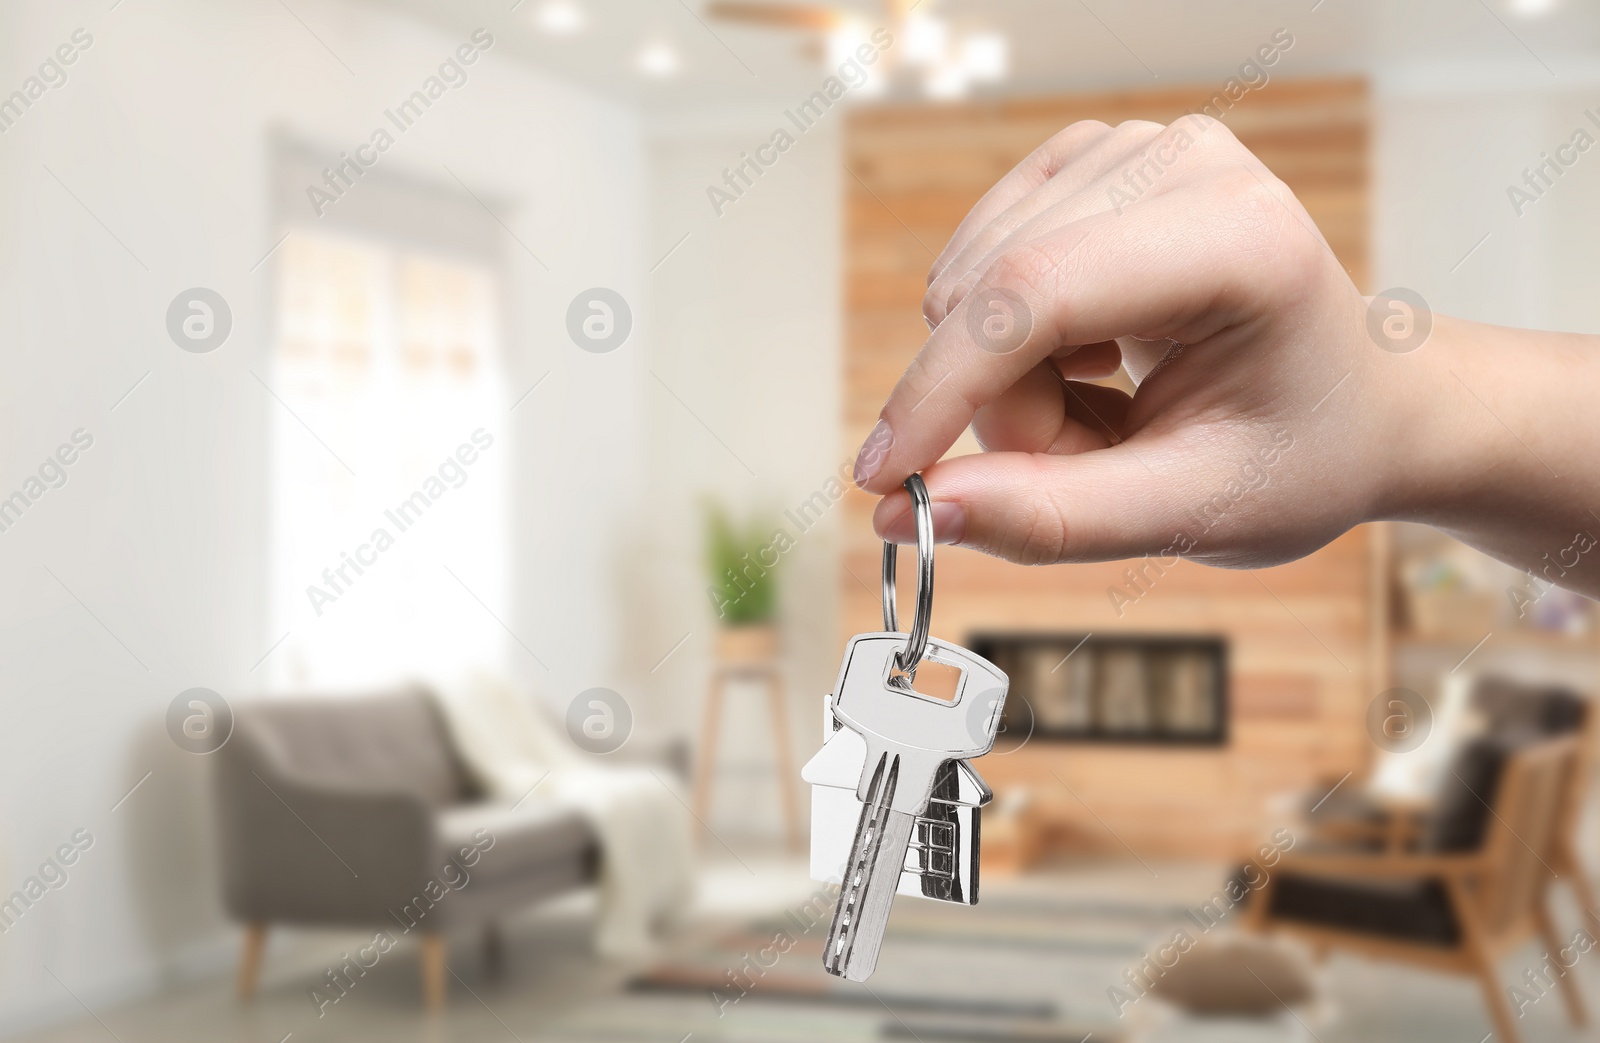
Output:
(389, 496)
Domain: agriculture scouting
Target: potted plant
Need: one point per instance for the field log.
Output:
(743, 589)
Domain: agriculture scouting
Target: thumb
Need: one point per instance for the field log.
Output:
(1039, 509)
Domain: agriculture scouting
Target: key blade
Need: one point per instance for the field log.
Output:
(872, 874)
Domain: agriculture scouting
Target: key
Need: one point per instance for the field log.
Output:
(910, 742)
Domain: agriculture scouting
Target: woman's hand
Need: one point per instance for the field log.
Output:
(1268, 417)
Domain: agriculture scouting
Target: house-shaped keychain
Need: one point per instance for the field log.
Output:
(942, 861)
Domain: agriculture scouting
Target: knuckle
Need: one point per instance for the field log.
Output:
(1033, 530)
(1024, 269)
(1284, 242)
(946, 294)
(943, 264)
(1043, 534)
(1137, 127)
(1182, 134)
(1054, 153)
(933, 304)
(1255, 194)
(918, 381)
(1202, 126)
(1215, 138)
(1262, 205)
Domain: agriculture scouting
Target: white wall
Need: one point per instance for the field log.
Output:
(747, 334)
(1448, 143)
(162, 133)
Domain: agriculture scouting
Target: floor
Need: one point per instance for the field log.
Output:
(1060, 937)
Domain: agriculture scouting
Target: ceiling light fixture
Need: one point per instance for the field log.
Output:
(844, 43)
(925, 40)
(560, 17)
(947, 82)
(1533, 8)
(985, 57)
(658, 60)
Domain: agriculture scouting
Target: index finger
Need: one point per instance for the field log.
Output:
(1040, 166)
(1151, 271)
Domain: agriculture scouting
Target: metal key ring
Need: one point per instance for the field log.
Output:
(906, 659)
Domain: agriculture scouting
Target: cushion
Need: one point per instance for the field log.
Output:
(1408, 910)
(390, 742)
(1462, 816)
(1544, 711)
(523, 840)
(1238, 976)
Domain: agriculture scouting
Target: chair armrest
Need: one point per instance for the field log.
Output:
(1398, 828)
(298, 850)
(1380, 865)
(1345, 830)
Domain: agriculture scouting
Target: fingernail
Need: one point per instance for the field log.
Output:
(949, 525)
(873, 452)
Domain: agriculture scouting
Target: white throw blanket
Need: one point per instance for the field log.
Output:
(517, 755)
(1419, 774)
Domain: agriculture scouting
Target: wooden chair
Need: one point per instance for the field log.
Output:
(1449, 910)
(1395, 825)
(1564, 860)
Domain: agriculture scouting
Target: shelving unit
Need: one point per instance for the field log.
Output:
(1419, 655)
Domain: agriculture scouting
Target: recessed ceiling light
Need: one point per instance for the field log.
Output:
(1533, 8)
(843, 43)
(926, 41)
(658, 59)
(985, 56)
(947, 82)
(560, 17)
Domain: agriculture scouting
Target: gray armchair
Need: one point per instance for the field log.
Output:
(357, 812)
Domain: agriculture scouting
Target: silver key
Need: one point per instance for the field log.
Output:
(912, 742)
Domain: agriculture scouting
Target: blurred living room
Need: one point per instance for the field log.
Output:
(429, 513)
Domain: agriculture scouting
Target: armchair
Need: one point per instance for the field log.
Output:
(1508, 708)
(1472, 891)
(357, 812)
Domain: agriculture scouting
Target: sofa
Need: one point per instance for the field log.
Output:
(357, 812)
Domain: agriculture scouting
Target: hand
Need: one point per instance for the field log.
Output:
(1265, 419)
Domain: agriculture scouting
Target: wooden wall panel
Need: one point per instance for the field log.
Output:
(1301, 636)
